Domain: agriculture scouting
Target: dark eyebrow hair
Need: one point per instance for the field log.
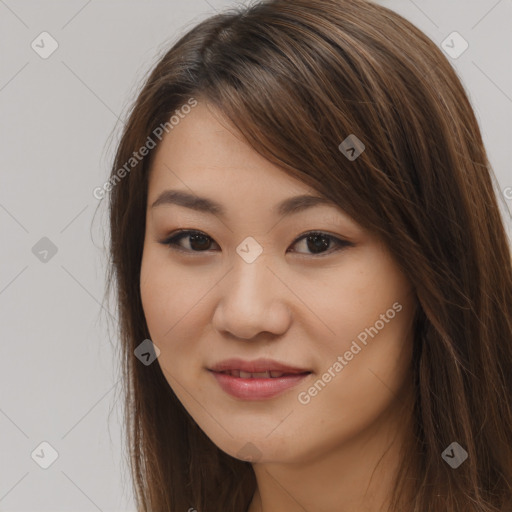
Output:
(202, 204)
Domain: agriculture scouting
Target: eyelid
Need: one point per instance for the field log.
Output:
(338, 242)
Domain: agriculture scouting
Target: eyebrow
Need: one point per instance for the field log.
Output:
(289, 206)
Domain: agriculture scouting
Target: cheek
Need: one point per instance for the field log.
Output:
(368, 376)
(172, 303)
(168, 295)
(157, 301)
(368, 312)
(348, 300)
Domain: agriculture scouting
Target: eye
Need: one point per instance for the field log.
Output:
(316, 241)
(198, 241)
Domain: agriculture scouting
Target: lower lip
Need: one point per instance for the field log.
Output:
(259, 388)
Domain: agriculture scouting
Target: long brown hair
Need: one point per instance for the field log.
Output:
(296, 78)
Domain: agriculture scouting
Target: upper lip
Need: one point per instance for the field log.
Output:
(256, 366)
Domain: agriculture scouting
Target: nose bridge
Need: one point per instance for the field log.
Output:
(250, 281)
(250, 300)
(250, 277)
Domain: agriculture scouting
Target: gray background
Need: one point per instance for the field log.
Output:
(60, 122)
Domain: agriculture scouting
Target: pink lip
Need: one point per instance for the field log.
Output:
(257, 388)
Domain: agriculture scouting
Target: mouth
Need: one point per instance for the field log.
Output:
(256, 380)
(269, 374)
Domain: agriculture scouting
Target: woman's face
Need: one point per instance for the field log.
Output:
(251, 286)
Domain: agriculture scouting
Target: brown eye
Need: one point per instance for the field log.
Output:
(318, 243)
(198, 241)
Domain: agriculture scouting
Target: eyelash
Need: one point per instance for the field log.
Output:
(173, 240)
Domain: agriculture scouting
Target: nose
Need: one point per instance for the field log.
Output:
(252, 300)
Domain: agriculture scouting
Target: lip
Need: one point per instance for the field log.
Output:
(258, 388)
(256, 366)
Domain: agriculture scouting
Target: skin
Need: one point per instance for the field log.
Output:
(290, 305)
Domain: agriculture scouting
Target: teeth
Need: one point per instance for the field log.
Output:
(257, 375)
(261, 375)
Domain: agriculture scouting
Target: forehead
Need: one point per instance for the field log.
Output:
(206, 155)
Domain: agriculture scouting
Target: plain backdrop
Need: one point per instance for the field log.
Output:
(60, 119)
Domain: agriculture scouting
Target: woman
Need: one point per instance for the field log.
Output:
(305, 232)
